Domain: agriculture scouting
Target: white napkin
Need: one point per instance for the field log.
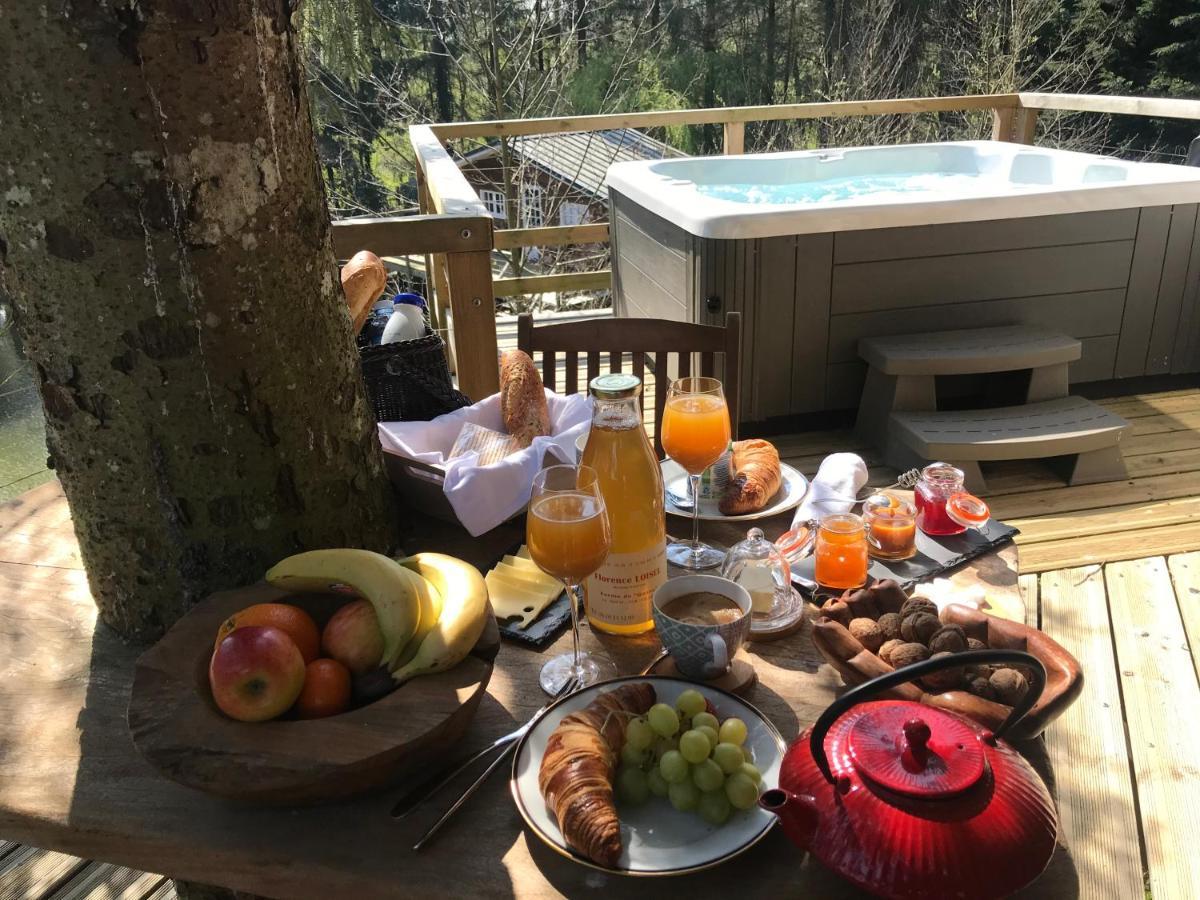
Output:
(485, 496)
(834, 487)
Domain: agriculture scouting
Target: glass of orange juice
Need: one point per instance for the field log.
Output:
(840, 555)
(695, 432)
(568, 536)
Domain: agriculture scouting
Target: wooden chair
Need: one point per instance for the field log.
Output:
(651, 343)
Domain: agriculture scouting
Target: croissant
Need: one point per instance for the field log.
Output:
(577, 768)
(756, 479)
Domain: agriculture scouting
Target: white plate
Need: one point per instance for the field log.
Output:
(789, 495)
(656, 838)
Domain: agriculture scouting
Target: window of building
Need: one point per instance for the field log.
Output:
(494, 201)
(532, 215)
(572, 214)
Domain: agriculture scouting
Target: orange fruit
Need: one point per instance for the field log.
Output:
(291, 620)
(326, 690)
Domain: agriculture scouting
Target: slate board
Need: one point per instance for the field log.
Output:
(542, 630)
(935, 556)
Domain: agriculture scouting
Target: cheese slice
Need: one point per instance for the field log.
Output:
(515, 599)
(551, 588)
(522, 562)
(523, 553)
(526, 573)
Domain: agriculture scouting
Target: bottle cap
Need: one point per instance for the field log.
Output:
(615, 386)
(413, 299)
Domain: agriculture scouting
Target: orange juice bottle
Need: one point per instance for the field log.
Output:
(618, 594)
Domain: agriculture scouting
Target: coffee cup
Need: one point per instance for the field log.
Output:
(701, 651)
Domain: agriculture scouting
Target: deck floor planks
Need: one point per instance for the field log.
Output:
(1131, 517)
(1185, 576)
(32, 872)
(1161, 700)
(103, 881)
(1111, 547)
(1086, 745)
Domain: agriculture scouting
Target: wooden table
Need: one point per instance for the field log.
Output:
(74, 782)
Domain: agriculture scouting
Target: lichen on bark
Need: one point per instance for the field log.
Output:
(165, 240)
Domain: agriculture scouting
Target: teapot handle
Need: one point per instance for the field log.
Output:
(869, 689)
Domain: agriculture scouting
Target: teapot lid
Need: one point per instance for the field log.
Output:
(927, 753)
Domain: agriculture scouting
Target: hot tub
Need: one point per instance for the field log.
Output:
(819, 248)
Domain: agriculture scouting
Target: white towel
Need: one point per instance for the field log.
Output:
(485, 496)
(833, 489)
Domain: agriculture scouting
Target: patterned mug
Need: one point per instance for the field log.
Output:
(701, 651)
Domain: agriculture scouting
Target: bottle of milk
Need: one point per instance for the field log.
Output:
(376, 324)
(408, 319)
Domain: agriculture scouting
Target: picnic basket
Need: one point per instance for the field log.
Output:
(409, 381)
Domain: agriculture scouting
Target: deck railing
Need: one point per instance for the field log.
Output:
(455, 230)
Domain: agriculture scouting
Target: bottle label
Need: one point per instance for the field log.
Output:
(715, 478)
(621, 591)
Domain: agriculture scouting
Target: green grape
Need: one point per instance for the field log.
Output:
(729, 757)
(673, 767)
(638, 734)
(709, 732)
(662, 745)
(715, 807)
(683, 796)
(741, 790)
(691, 702)
(657, 784)
(633, 757)
(705, 718)
(632, 785)
(707, 775)
(751, 770)
(694, 746)
(732, 731)
(663, 719)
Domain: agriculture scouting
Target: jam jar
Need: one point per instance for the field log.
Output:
(943, 506)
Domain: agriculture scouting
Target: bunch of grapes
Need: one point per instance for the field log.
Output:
(685, 754)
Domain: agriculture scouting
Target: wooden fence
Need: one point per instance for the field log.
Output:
(456, 234)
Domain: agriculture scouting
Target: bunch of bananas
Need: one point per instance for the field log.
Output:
(431, 607)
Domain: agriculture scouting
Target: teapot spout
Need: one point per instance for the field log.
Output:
(797, 812)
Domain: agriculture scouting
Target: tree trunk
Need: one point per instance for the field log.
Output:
(164, 234)
(772, 29)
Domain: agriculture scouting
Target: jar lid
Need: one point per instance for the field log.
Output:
(615, 386)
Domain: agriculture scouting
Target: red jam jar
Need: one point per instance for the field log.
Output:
(939, 482)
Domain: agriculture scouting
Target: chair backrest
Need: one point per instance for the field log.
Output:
(650, 343)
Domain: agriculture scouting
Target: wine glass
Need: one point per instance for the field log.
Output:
(695, 432)
(568, 536)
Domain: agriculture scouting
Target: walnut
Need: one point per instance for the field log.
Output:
(981, 687)
(919, 627)
(867, 632)
(885, 652)
(1010, 686)
(945, 680)
(948, 639)
(916, 604)
(976, 644)
(889, 624)
(907, 654)
(836, 610)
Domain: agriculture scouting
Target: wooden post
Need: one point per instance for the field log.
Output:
(1024, 126)
(1002, 123)
(735, 138)
(469, 283)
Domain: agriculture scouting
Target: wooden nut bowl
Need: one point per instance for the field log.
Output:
(1064, 678)
(179, 730)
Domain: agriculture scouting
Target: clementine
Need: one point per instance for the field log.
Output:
(291, 620)
(326, 690)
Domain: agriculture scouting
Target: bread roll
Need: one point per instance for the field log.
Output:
(756, 477)
(522, 398)
(363, 280)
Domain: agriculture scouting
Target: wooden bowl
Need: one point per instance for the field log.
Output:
(1064, 678)
(179, 730)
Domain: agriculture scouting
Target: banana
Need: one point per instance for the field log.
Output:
(431, 610)
(464, 613)
(394, 591)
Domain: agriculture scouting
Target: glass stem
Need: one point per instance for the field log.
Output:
(574, 599)
(695, 482)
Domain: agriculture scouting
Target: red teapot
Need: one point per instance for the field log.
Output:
(910, 801)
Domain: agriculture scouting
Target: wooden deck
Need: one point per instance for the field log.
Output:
(1112, 571)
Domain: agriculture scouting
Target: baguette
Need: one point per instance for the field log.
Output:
(756, 479)
(522, 398)
(364, 278)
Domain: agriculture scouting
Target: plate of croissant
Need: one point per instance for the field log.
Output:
(577, 771)
(759, 486)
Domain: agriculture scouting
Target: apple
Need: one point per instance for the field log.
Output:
(256, 673)
(353, 638)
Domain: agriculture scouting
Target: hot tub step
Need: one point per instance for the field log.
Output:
(1085, 433)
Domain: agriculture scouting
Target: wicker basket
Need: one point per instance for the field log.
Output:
(409, 381)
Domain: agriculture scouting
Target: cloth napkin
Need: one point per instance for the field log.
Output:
(485, 496)
(834, 487)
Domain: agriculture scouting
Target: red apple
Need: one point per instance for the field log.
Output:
(353, 638)
(256, 673)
